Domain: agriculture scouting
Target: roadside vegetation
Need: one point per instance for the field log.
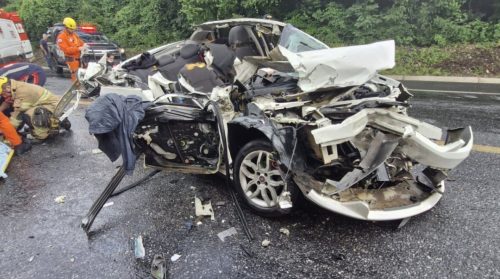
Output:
(434, 37)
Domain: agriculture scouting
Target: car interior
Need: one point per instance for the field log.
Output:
(225, 43)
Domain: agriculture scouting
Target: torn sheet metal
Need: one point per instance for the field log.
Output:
(341, 67)
(203, 209)
(380, 149)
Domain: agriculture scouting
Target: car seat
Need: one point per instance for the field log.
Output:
(196, 77)
(187, 54)
(241, 42)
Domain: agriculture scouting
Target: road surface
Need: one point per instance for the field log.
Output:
(41, 238)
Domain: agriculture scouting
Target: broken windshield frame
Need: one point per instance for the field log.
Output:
(297, 41)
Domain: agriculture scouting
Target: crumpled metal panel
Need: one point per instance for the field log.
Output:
(341, 67)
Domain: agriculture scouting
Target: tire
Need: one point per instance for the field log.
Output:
(59, 70)
(256, 179)
(54, 67)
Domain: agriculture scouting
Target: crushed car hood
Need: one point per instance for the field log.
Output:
(340, 67)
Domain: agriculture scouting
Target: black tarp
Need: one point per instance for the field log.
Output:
(112, 120)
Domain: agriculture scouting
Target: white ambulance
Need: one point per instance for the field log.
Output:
(14, 43)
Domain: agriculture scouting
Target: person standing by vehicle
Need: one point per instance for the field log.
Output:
(71, 44)
(7, 129)
(45, 49)
(32, 104)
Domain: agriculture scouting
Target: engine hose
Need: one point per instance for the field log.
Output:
(222, 131)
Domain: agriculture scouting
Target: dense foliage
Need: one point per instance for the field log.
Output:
(138, 23)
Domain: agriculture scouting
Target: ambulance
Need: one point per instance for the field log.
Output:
(14, 42)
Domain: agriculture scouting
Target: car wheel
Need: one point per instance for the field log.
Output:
(52, 63)
(59, 70)
(259, 181)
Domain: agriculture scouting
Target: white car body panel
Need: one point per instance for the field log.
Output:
(341, 67)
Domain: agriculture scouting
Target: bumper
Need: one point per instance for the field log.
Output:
(361, 210)
(416, 137)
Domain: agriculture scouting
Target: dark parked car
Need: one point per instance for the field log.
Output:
(98, 45)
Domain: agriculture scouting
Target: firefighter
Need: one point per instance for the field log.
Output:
(71, 44)
(32, 105)
(7, 129)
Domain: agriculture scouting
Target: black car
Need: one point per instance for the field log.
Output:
(97, 42)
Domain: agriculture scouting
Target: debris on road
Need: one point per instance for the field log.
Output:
(188, 225)
(203, 209)
(339, 257)
(108, 204)
(31, 258)
(175, 257)
(229, 232)
(72, 260)
(139, 250)
(285, 231)
(96, 151)
(60, 199)
(158, 267)
(247, 251)
(266, 243)
(203, 195)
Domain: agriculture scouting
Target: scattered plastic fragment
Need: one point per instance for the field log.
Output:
(188, 225)
(220, 203)
(339, 257)
(60, 199)
(158, 267)
(31, 258)
(96, 151)
(203, 209)
(203, 195)
(265, 243)
(199, 223)
(72, 260)
(222, 235)
(139, 250)
(285, 231)
(175, 257)
(108, 204)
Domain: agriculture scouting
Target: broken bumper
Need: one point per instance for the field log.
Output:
(399, 133)
(416, 137)
(361, 210)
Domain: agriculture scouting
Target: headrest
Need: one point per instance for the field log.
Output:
(238, 35)
(189, 50)
(165, 59)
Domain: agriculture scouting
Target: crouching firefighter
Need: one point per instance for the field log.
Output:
(32, 105)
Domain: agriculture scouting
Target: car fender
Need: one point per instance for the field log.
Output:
(244, 129)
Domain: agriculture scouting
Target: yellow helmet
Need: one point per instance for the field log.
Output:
(69, 23)
(3, 80)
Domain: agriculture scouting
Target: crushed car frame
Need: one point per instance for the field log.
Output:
(293, 117)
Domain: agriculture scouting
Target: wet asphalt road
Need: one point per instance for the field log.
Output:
(40, 238)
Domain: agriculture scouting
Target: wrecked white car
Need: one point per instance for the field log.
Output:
(288, 116)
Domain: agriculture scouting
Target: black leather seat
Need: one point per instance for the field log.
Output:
(241, 42)
(198, 76)
(189, 53)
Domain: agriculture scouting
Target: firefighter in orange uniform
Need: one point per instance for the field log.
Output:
(69, 42)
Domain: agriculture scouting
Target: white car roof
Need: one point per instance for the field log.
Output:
(241, 21)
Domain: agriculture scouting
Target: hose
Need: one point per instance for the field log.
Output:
(236, 203)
